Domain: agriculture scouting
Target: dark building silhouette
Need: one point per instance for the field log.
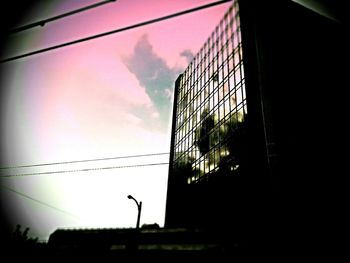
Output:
(210, 111)
(259, 116)
(109, 245)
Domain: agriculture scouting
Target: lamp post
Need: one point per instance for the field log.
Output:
(139, 206)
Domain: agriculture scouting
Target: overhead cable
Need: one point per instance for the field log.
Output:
(82, 161)
(45, 21)
(38, 201)
(113, 31)
(82, 170)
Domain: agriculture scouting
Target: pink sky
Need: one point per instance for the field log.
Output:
(92, 100)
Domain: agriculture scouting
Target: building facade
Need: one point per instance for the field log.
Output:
(258, 117)
(210, 110)
(211, 101)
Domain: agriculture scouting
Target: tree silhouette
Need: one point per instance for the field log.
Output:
(207, 191)
(202, 132)
(21, 242)
(235, 138)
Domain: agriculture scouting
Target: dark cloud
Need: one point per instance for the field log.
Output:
(154, 74)
(188, 55)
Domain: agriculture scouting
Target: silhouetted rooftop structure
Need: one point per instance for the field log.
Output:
(155, 243)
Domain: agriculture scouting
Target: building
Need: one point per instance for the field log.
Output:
(253, 126)
(109, 245)
(210, 111)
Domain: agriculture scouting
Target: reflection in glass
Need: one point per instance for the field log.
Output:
(212, 106)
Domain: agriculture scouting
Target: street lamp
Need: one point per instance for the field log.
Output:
(139, 206)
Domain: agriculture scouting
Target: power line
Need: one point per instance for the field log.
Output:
(82, 170)
(45, 21)
(82, 161)
(113, 31)
(38, 201)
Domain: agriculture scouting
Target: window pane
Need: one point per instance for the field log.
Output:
(230, 64)
(232, 100)
(232, 82)
(238, 75)
(225, 67)
(221, 92)
(216, 98)
(227, 105)
(239, 95)
(226, 89)
(221, 111)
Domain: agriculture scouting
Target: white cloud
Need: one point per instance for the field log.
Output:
(168, 93)
(155, 115)
(132, 119)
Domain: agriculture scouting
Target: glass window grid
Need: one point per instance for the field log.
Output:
(221, 55)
